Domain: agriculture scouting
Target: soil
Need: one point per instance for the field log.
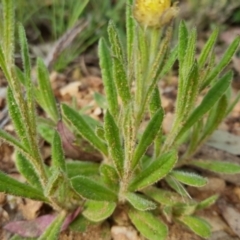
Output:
(80, 81)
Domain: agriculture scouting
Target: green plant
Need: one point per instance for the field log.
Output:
(126, 176)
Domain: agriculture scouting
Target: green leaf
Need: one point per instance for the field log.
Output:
(181, 209)
(58, 159)
(46, 131)
(55, 181)
(177, 186)
(98, 211)
(148, 136)
(118, 60)
(109, 176)
(130, 26)
(6, 137)
(148, 225)
(27, 170)
(197, 225)
(100, 100)
(169, 61)
(24, 53)
(207, 48)
(45, 95)
(207, 202)
(3, 64)
(92, 190)
(159, 168)
(13, 187)
(17, 118)
(75, 168)
(189, 178)
(100, 132)
(154, 106)
(84, 129)
(217, 166)
(213, 95)
(223, 62)
(107, 76)
(140, 202)
(115, 148)
(8, 31)
(164, 197)
(190, 53)
(116, 45)
(216, 116)
(53, 231)
(80, 224)
(183, 41)
(121, 81)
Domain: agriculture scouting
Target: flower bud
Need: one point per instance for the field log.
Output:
(154, 13)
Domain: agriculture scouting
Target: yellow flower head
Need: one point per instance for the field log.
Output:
(154, 13)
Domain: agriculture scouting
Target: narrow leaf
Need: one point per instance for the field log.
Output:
(177, 186)
(92, 190)
(159, 168)
(109, 176)
(53, 231)
(217, 166)
(148, 136)
(24, 53)
(207, 202)
(164, 197)
(130, 26)
(13, 187)
(190, 52)
(84, 129)
(107, 76)
(58, 159)
(16, 117)
(148, 225)
(118, 59)
(213, 95)
(75, 168)
(55, 181)
(189, 178)
(27, 170)
(115, 148)
(8, 31)
(208, 48)
(197, 225)
(140, 202)
(183, 41)
(223, 62)
(45, 95)
(98, 211)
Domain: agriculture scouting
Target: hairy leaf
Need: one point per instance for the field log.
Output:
(148, 225)
(13, 187)
(107, 76)
(92, 190)
(84, 128)
(148, 136)
(115, 148)
(98, 211)
(189, 178)
(58, 159)
(217, 166)
(159, 168)
(197, 225)
(140, 202)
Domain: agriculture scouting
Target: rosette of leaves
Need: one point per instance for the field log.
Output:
(127, 175)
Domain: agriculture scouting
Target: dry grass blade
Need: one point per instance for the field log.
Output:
(64, 41)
